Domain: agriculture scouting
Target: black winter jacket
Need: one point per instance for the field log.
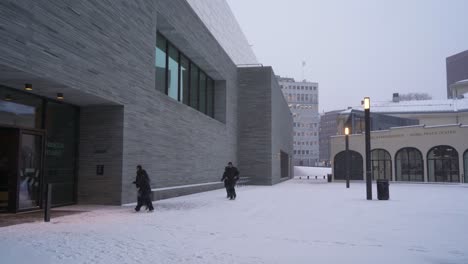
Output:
(230, 176)
(142, 181)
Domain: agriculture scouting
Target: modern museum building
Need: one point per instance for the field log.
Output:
(90, 89)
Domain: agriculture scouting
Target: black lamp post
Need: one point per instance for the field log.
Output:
(368, 147)
(347, 158)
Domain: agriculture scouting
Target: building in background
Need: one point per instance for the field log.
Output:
(328, 127)
(459, 89)
(88, 92)
(457, 70)
(436, 150)
(404, 113)
(302, 98)
(355, 121)
(407, 154)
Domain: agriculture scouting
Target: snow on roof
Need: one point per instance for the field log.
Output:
(462, 82)
(421, 106)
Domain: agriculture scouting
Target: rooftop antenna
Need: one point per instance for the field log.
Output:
(303, 66)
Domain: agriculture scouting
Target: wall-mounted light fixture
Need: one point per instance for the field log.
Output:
(8, 97)
(28, 87)
(60, 96)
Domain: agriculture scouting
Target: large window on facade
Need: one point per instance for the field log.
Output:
(409, 165)
(381, 164)
(184, 79)
(210, 98)
(356, 166)
(202, 93)
(161, 49)
(181, 79)
(173, 73)
(194, 77)
(442, 164)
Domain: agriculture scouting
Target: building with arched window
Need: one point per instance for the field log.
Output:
(409, 154)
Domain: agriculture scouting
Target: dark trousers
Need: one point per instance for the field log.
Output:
(231, 190)
(226, 186)
(144, 198)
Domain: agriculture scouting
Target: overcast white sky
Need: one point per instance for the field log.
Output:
(357, 48)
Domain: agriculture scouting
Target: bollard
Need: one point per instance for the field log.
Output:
(300, 178)
(324, 177)
(315, 177)
(307, 177)
(48, 202)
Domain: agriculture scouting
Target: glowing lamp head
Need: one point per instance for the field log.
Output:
(28, 87)
(60, 96)
(366, 103)
(346, 131)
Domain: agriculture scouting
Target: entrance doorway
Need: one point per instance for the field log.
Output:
(442, 164)
(284, 164)
(356, 170)
(21, 159)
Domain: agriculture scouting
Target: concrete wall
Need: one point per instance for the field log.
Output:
(255, 153)
(100, 143)
(265, 126)
(105, 51)
(420, 137)
(218, 17)
(282, 131)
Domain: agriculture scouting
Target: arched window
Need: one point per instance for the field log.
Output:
(381, 164)
(409, 165)
(465, 165)
(442, 164)
(356, 164)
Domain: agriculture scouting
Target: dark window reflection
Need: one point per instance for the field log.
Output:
(20, 109)
(61, 151)
(160, 63)
(442, 164)
(29, 171)
(381, 164)
(356, 163)
(409, 165)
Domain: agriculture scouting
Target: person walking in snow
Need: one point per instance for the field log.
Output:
(230, 178)
(142, 182)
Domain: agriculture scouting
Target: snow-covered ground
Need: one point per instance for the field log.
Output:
(293, 222)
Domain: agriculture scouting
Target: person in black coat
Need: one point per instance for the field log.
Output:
(142, 182)
(230, 178)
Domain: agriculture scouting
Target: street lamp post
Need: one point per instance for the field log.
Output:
(347, 159)
(368, 147)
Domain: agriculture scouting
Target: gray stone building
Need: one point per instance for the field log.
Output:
(328, 128)
(89, 90)
(302, 98)
(457, 70)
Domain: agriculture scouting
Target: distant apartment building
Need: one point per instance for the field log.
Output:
(457, 71)
(328, 128)
(302, 98)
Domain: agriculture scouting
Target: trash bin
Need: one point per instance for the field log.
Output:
(329, 177)
(383, 192)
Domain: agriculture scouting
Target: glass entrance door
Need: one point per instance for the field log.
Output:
(9, 139)
(21, 155)
(30, 170)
